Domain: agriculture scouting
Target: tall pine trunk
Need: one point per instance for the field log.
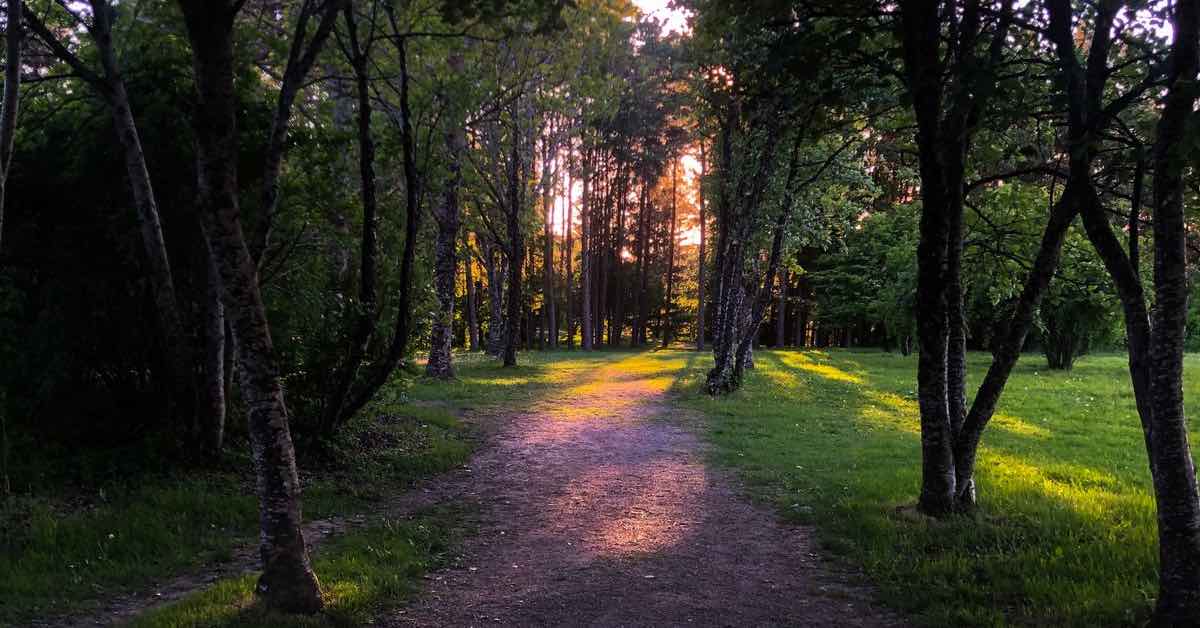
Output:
(568, 262)
(700, 302)
(585, 279)
(549, 298)
(668, 327)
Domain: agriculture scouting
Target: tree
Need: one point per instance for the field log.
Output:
(287, 582)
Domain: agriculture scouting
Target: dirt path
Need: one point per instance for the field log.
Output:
(600, 511)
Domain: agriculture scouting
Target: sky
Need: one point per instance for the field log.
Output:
(675, 20)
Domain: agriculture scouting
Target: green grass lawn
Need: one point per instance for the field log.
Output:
(1066, 531)
(362, 573)
(65, 552)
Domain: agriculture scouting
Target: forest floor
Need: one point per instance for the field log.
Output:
(598, 509)
(606, 489)
(591, 501)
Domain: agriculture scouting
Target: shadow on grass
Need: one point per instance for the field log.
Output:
(362, 574)
(1065, 534)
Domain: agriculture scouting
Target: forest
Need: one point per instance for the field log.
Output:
(599, 312)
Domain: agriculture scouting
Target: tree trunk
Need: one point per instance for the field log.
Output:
(568, 261)
(585, 279)
(398, 347)
(472, 299)
(1175, 474)
(1005, 357)
(496, 278)
(781, 311)
(14, 35)
(548, 296)
(445, 269)
(643, 266)
(363, 326)
(700, 330)
(185, 382)
(302, 54)
(288, 582)
(213, 390)
(618, 320)
(667, 323)
(516, 249)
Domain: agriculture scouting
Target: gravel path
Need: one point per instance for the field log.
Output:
(599, 510)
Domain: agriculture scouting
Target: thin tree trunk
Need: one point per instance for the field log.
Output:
(618, 319)
(568, 261)
(667, 326)
(445, 269)
(363, 326)
(585, 280)
(288, 582)
(398, 347)
(643, 266)
(302, 54)
(496, 278)
(213, 372)
(14, 35)
(781, 311)
(185, 383)
(472, 299)
(700, 304)
(1009, 350)
(548, 296)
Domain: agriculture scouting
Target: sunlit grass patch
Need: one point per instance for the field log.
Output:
(362, 574)
(1066, 530)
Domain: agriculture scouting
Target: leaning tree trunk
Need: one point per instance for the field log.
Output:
(186, 387)
(1008, 351)
(287, 582)
(179, 349)
(302, 54)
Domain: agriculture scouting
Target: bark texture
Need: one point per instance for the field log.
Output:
(14, 34)
(288, 582)
(445, 264)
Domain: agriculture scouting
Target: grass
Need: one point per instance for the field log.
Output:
(66, 552)
(362, 574)
(1066, 530)
(1065, 533)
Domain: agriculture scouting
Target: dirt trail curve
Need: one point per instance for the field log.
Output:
(598, 510)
